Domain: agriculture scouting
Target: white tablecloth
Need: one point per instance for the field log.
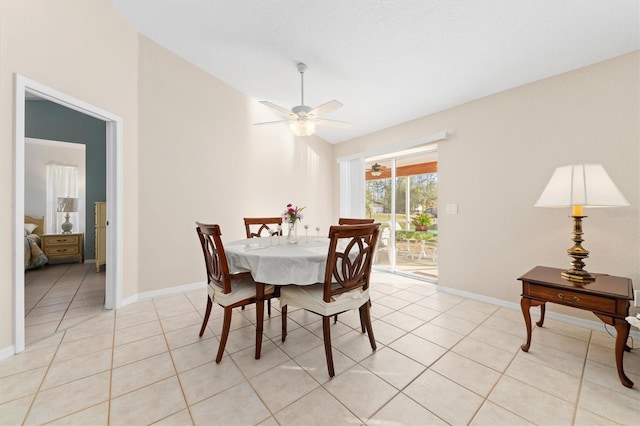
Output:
(279, 264)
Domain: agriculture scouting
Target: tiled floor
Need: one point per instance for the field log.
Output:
(441, 359)
(60, 296)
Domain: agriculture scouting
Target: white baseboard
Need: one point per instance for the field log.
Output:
(163, 292)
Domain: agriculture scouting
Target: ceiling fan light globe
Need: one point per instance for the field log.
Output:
(302, 127)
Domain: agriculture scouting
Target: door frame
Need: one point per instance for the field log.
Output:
(113, 277)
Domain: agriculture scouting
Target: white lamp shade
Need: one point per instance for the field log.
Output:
(67, 204)
(586, 185)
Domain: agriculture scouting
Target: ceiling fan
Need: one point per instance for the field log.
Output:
(376, 169)
(303, 119)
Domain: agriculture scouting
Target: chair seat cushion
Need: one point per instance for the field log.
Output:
(240, 290)
(310, 297)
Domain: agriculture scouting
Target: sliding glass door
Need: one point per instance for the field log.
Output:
(402, 194)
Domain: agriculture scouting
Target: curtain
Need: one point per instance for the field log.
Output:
(352, 191)
(62, 181)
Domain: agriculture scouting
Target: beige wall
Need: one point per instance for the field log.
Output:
(190, 150)
(502, 153)
(201, 159)
(86, 50)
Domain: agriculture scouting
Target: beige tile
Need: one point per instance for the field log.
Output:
(209, 379)
(138, 374)
(84, 346)
(587, 418)
(446, 399)
(187, 319)
(453, 323)
(530, 403)
(96, 415)
(391, 302)
(354, 344)
(171, 310)
(133, 319)
(249, 366)
(462, 310)
(102, 323)
(554, 358)
(393, 367)
(27, 360)
(314, 362)
(299, 341)
(438, 335)
(14, 412)
(191, 356)
(21, 384)
(143, 405)
(418, 349)
(402, 321)
(186, 336)
(282, 385)
(558, 341)
(386, 333)
(484, 354)
(361, 391)
(552, 381)
(607, 376)
(224, 409)
(77, 368)
(182, 417)
(421, 312)
(491, 414)
(516, 327)
(318, 408)
(140, 349)
(402, 410)
(568, 330)
(41, 318)
(497, 338)
(619, 407)
(52, 404)
(137, 332)
(470, 374)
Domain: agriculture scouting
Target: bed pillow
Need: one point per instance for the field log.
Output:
(29, 228)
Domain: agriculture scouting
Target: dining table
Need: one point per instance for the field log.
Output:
(271, 260)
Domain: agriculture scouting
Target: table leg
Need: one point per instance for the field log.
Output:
(622, 333)
(259, 317)
(542, 310)
(525, 304)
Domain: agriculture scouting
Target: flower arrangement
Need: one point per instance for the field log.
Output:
(292, 214)
(422, 221)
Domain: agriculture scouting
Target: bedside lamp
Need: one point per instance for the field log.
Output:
(578, 186)
(67, 205)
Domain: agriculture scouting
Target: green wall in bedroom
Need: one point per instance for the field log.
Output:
(48, 120)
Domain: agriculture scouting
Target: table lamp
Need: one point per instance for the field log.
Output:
(578, 186)
(67, 205)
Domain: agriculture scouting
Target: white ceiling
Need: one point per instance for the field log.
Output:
(387, 61)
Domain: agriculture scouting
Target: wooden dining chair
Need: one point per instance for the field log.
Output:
(229, 290)
(263, 225)
(345, 286)
(353, 221)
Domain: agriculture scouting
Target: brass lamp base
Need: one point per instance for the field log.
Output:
(577, 274)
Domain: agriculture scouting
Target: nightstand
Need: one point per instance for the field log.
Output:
(62, 248)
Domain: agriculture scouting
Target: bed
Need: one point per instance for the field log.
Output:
(34, 257)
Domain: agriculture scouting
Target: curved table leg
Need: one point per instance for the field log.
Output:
(525, 304)
(622, 333)
(542, 310)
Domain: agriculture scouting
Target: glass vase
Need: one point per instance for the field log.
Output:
(292, 236)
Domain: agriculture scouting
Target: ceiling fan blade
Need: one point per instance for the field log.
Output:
(325, 108)
(270, 122)
(331, 123)
(281, 110)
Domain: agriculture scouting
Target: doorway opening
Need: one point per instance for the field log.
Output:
(113, 287)
(401, 193)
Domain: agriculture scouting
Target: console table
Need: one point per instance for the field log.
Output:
(608, 297)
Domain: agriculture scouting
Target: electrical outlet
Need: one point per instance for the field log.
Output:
(636, 299)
